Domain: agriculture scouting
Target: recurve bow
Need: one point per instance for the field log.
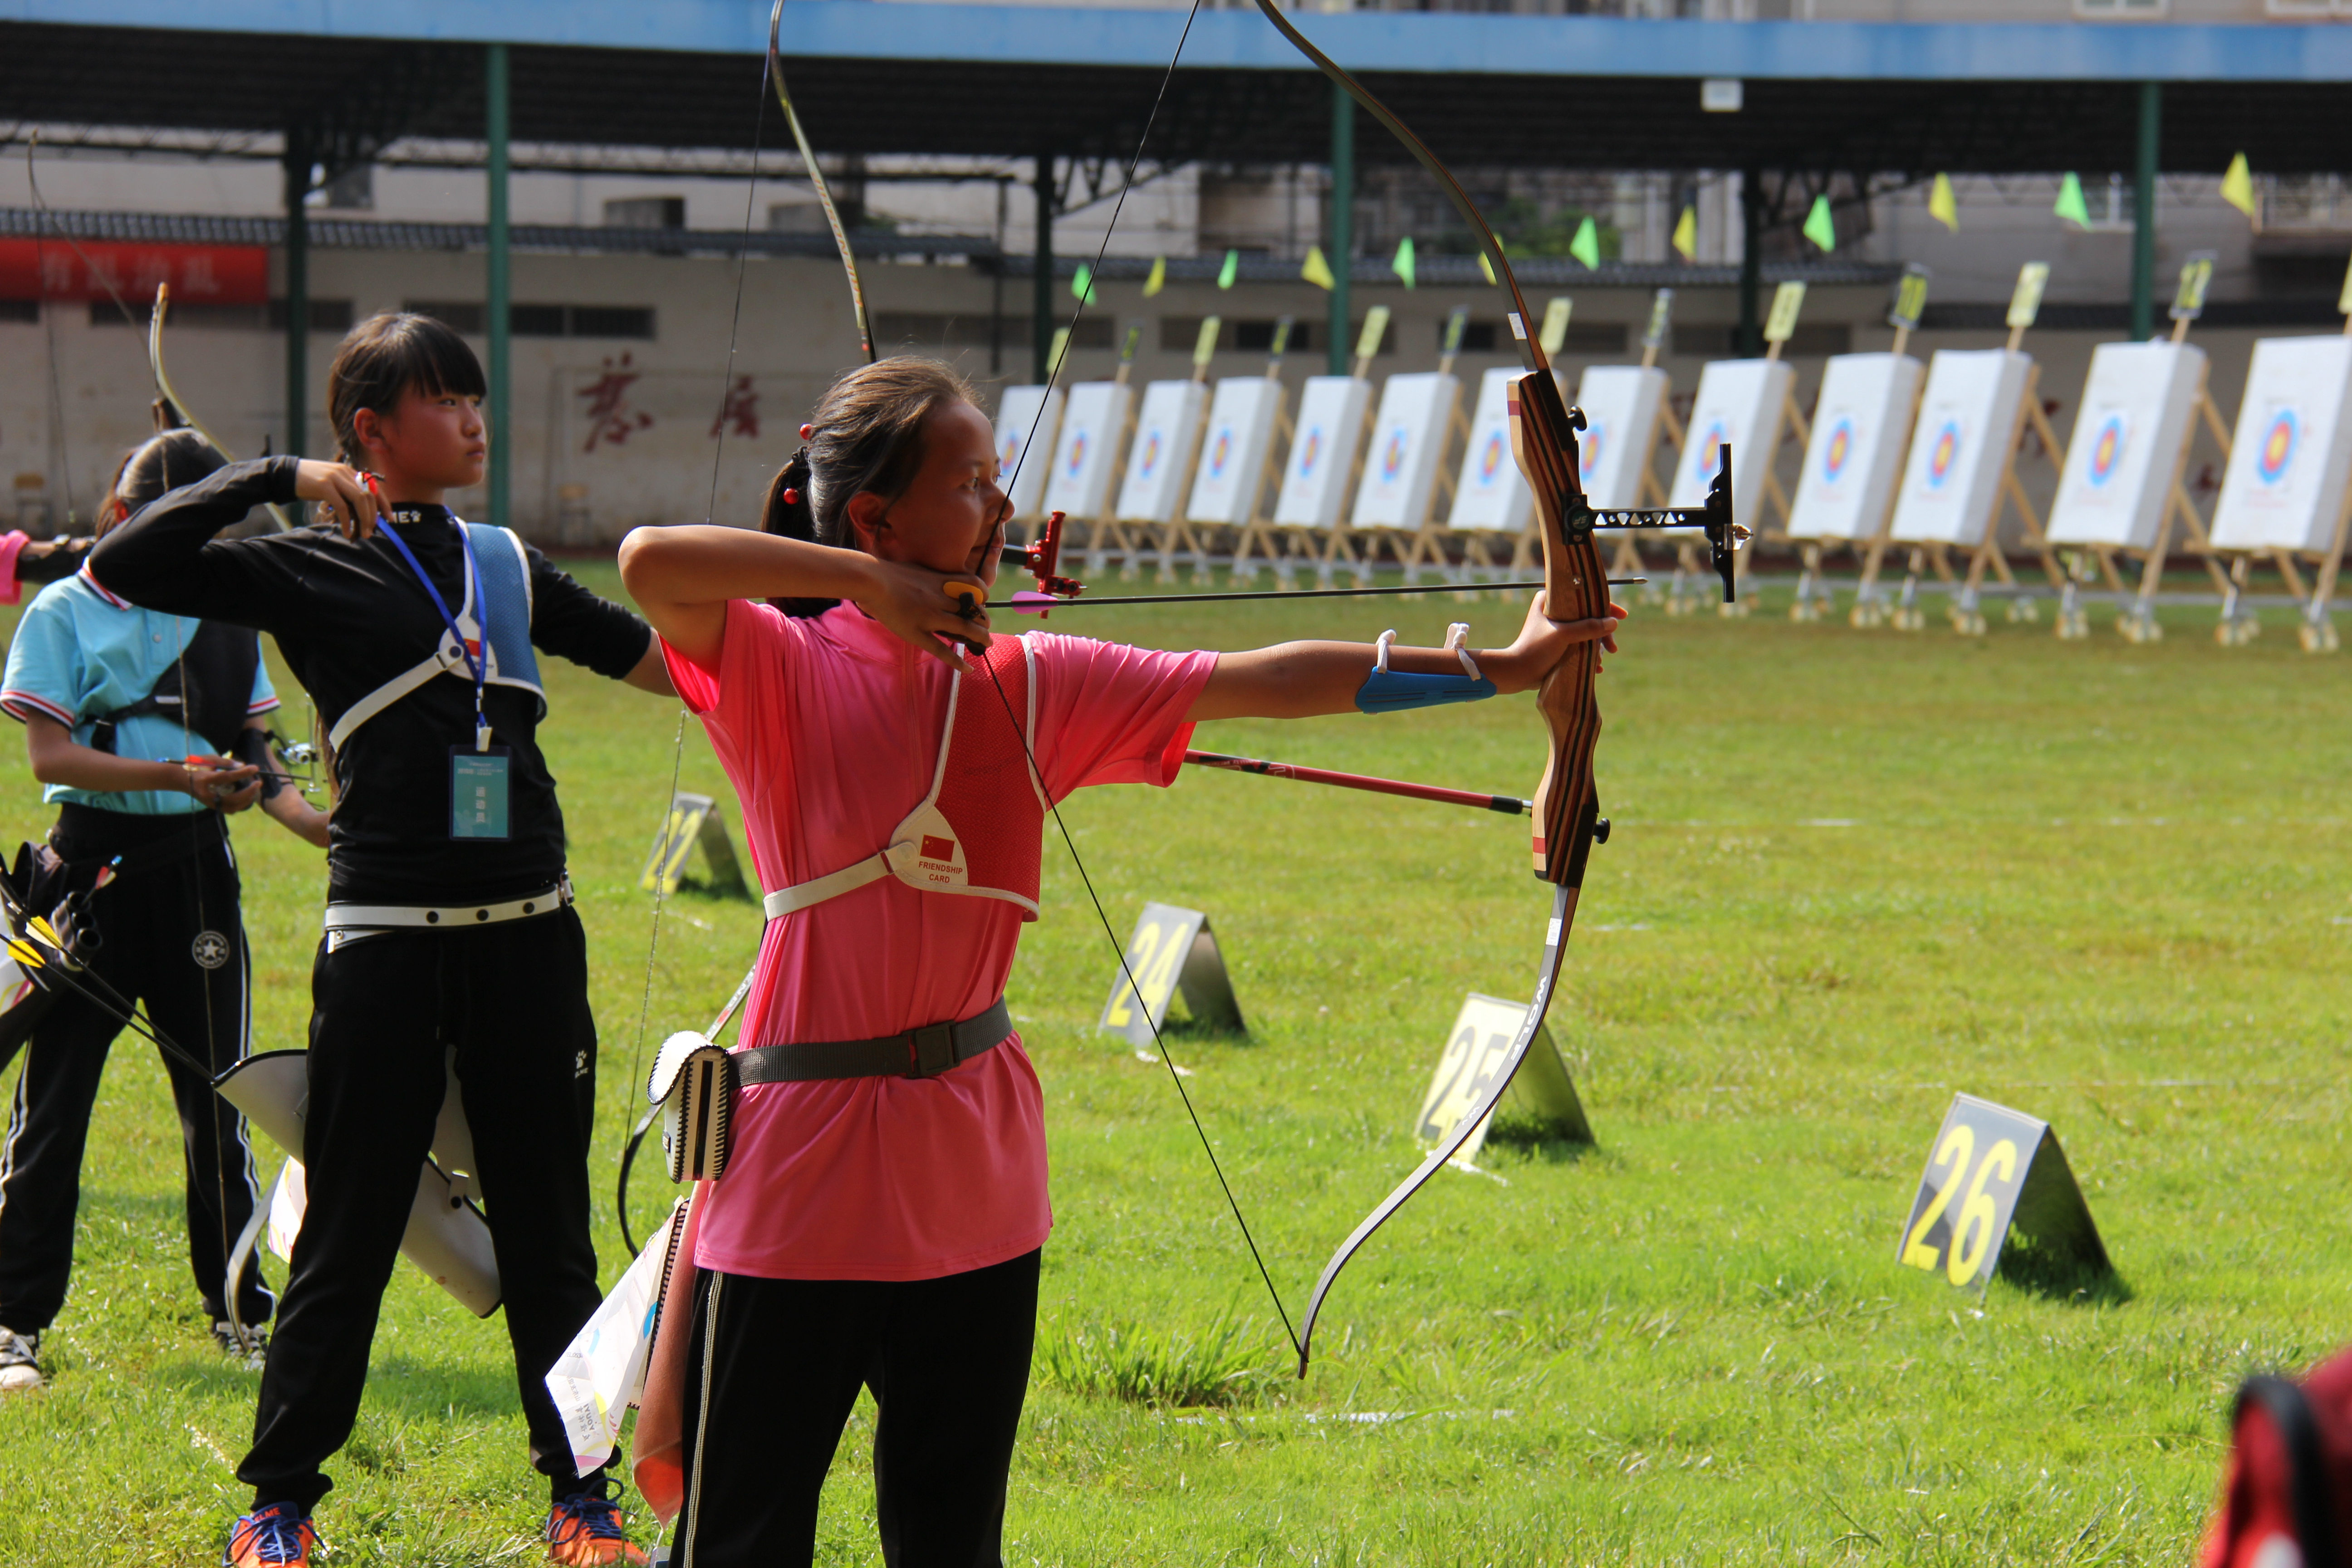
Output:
(1566, 803)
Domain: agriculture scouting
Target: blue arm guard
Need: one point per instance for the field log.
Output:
(1393, 692)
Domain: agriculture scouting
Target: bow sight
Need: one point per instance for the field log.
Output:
(1723, 536)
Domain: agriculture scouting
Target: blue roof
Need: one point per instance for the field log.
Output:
(1402, 42)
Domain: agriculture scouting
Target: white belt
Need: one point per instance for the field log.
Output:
(385, 917)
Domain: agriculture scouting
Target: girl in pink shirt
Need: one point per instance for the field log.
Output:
(880, 1219)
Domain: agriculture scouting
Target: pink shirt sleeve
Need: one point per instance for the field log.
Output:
(1111, 713)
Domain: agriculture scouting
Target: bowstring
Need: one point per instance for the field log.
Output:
(1128, 973)
(1053, 370)
(710, 513)
(1053, 374)
(122, 1009)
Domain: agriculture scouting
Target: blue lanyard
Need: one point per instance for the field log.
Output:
(476, 664)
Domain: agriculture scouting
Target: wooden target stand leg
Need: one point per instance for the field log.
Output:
(1652, 492)
(2317, 632)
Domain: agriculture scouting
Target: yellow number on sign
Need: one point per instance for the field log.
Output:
(1147, 944)
(1160, 977)
(1960, 1263)
(1956, 1146)
(1460, 1052)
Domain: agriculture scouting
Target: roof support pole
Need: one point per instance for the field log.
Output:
(1343, 222)
(296, 158)
(1041, 293)
(1751, 264)
(2143, 282)
(494, 316)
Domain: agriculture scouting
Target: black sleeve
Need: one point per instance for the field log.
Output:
(51, 560)
(568, 620)
(166, 558)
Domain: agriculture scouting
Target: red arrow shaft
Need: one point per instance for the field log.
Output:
(1509, 805)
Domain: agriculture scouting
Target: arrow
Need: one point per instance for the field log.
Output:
(1509, 805)
(1029, 602)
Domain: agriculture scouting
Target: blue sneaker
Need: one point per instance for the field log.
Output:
(277, 1536)
(587, 1532)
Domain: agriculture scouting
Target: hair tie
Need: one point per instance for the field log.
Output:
(807, 431)
(792, 497)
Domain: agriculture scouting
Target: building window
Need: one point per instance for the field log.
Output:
(326, 315)
(2122, 10)
(530, 320)
(20, 309)
(1477, 337)
(1257, 337)
(645, 212)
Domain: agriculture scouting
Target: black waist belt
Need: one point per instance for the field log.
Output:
(142, 842)
(918, 1053)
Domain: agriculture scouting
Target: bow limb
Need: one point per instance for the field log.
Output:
(816, 178)
(1576, 587)
(164, 386)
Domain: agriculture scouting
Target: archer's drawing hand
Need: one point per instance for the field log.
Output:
(914, 603)
(348, 495)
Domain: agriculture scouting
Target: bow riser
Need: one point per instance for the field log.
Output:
(1576, 587)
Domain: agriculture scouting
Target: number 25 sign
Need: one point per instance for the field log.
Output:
(1992, 1170)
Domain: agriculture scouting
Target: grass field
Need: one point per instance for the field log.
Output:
(1851, 874)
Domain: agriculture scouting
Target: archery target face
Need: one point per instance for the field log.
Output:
(1020, 408)
(2126, 448)
(1164, 435)
(1080, 482)
(1323, 449)
(1408, 440)
(1860, 421)
(1960, 450)
(1620, 404)
(2290, 457)
(1739, 403)
(1491, 492)
(1241, 429)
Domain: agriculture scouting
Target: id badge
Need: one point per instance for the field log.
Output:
(477, 791)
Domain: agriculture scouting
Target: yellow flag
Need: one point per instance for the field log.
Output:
(1486, 268)
(1687, 234)
(2238, 186)
(1158, 279)
(1942, 205)
(1317, 271)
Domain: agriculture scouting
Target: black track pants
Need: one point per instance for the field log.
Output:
(512, 998)
(169, 938)
(947, 1361)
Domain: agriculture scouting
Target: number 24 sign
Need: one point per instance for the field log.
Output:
(1993, 1170)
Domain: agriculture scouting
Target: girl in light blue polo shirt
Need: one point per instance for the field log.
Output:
(127, 714)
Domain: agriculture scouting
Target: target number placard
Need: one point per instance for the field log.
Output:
(1475, 1051)
(1992, 1170)
(1172, 950)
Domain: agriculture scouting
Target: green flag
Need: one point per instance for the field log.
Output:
(1403, 266)
(2069, 204)
(1230, 270)
(1586, 245)
(1082, 286)
(1819, 227)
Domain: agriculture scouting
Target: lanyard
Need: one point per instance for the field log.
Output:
(477, 661)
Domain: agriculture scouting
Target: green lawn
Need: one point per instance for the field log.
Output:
(1851, 873)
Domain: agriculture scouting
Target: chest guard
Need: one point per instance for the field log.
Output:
(496, 621)
(207, 688)
(981, 831)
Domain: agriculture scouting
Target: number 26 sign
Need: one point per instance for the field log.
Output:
(1992, 1170)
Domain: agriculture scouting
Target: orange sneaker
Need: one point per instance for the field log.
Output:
(277, 1536)
(587, 1532)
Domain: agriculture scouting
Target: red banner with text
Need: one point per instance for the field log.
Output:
(48, 269)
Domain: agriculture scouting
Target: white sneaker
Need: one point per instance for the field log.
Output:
(20, 1368)
(249, 1355)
